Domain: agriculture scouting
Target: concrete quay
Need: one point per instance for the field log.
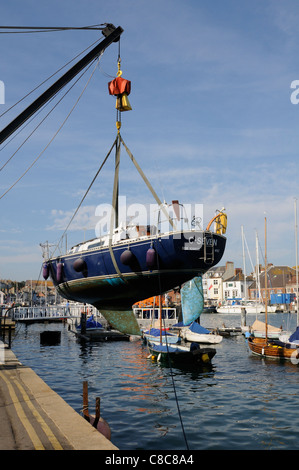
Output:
(34, 417)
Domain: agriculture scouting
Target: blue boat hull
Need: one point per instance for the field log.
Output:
(178, 257)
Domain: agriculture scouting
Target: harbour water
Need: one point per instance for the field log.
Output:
(241, 402)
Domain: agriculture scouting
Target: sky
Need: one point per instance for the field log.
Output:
(214, 121)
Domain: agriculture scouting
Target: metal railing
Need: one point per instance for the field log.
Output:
(51, 312)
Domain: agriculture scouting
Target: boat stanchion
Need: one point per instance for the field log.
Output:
(243, 317)
(83, 321)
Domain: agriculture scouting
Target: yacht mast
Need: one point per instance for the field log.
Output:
(266, 283)
(296, 246)
(244, 267)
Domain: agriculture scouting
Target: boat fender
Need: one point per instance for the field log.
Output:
(127, 257)
(45, 271)
(59, 272)
(205, 358)
(151, 257)
(79, 265)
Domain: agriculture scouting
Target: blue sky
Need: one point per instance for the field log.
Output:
(212, 120)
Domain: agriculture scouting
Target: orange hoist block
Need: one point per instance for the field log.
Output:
(121, 88)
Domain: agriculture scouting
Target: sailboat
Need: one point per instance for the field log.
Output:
(198, 334)
(272, 348)
(130, 262)
(160, 335)
(190, 352)
(157, 333)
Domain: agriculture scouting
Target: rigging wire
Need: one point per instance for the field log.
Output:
(25, 125)
(44, 29)
(27, 138)
(118, 137)
(169, 364)
(56, 133)
(171, 371)
(47, 29)
(40, 123)
(51, 76)
(86, 192)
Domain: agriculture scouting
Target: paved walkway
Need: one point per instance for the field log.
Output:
(34, 417)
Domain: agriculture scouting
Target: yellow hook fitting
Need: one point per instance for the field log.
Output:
(119, 72)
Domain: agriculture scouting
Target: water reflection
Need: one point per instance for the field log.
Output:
(239, 401)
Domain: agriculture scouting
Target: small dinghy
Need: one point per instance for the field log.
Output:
(198, 334)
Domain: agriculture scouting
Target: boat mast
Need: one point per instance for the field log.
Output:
(160, 316)
(266, 284)
(62, 81)
(258, 297)
(296, 246)
(244, 266)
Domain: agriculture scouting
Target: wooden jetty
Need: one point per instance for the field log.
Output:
(229, 331)
(104, 335)
(7, 323)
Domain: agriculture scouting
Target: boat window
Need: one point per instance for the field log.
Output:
(94, 245)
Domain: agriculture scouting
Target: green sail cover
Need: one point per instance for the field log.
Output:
(192, 300)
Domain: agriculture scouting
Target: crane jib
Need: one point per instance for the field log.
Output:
(60, 83)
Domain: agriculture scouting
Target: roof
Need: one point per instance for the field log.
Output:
(278, 276)
(239, 277)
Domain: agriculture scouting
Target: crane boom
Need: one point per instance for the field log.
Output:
(112, 35)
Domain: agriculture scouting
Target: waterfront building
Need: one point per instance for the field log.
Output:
(212, 282)
(280, 280)
(237, 286)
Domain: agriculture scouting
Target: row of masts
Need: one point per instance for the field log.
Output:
(257, 269)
